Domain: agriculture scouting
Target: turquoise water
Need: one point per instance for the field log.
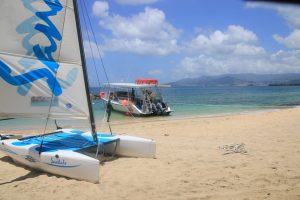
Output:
(195, 101)
(188, 102)
(222, 100)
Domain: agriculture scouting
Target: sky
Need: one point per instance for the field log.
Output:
(169, 40)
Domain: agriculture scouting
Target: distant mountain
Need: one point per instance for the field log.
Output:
(239, 80)
(287, 83)
(294, 82)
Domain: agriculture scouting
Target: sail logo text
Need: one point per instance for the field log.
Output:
(44, 54)
(57, 161)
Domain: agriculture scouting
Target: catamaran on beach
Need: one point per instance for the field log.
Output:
(43, 74)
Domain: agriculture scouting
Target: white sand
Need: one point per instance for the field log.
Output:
(189, 164)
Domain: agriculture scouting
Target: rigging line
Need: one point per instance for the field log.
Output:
(54, 84)
(129, 112)
(89, 40)
(84, 14)
(101, 59)
(130, 105)
(90, 45)
(48, 116)
(104, 114)
(62, 35)
(93, 57)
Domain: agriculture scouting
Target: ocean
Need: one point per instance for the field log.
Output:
(193, 101)
(187, 102)
(216, 101)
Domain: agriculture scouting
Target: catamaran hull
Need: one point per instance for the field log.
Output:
(65, 163)
(131, 146)
(75, 163)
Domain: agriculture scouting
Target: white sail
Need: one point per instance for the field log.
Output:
(40, 61)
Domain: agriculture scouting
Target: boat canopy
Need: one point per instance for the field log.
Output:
(134, 85)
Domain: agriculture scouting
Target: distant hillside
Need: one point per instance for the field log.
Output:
(287, 83)
(239, 80)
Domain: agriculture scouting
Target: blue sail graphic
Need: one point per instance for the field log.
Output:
(40, 61)
(44, 55)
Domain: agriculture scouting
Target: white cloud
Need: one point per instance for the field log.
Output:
(147, 32)
(236, 50)
(291, 41)
(233, 50)
(237, 34)
(100, 8)
(146, 25)
(199, 66)
(234, 40)
(282, 61)
(279, 62)
(290, 13)
(141, 47)
(245, 49)
(136, 2)
(91, 50)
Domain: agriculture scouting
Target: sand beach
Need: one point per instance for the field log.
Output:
(189, 163)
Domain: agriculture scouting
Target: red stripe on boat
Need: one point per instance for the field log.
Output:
(146, 81)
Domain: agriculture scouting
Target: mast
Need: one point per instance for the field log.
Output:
(92, 119)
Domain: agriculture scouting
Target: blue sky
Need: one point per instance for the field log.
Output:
(170, 40)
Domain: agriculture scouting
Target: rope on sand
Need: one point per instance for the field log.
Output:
(234, 148)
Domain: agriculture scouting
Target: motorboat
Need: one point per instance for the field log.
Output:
(141, 98)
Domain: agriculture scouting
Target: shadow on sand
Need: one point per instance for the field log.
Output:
(31, 174)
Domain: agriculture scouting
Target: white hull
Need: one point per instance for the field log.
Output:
(73, 164)
(126, 109)
(131, 146)
(65, 163)
(132, 109)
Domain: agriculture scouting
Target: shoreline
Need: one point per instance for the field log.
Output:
(176, 118)
(139, 120)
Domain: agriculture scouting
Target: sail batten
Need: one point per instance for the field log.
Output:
(40, 61)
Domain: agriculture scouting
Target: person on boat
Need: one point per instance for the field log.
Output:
(109, 106)
(132, 95)
(159, 106)
(154, 108)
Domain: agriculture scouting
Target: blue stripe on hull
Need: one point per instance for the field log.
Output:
(71, 141)
(61, 166)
